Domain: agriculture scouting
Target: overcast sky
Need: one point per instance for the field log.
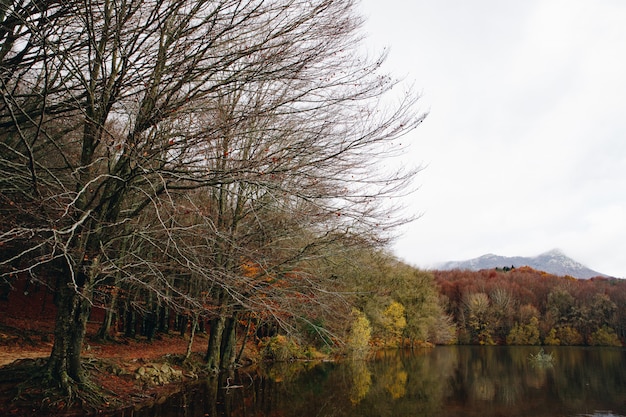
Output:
(525, 143)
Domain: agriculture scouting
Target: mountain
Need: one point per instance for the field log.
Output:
(554, 262)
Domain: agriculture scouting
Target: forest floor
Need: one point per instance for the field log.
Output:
(113, 365)
(26, 337)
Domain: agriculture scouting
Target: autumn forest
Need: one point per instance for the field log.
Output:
(230, 168)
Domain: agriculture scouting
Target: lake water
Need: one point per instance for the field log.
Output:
(444, 381)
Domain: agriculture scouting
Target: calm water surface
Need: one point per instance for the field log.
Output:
(445, 381)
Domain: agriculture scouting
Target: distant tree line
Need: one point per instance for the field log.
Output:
(523, 306)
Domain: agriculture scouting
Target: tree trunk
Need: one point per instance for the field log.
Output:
(64, 364)
(164, 319)
(150, 321)
(104, 333)
(245, 338)
(130, 322)
(229, 340)
(183, 321)
(194, 326)
(150, 325)
(212, 357)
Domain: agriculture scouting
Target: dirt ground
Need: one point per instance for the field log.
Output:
(17, 343)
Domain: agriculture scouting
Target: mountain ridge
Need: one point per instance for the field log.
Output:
(553, 262)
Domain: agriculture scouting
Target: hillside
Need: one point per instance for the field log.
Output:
(554, 262)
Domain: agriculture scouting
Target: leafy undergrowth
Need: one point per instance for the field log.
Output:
(112, 368)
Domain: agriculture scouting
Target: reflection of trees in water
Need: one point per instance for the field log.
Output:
(361, 381)
(445, 381)
(483, 389)
(504, 376)
(600, 381)
(408, 383)
(392, 377)
(495, 374)
(397, 387)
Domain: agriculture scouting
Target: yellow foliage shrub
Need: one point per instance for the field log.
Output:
(605, 336)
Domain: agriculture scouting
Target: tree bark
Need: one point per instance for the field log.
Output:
(245, 338)
(194, 326)
(64, 364)
(164, 319)
(228, 345)
(130, 322)
(104, 333)
(212, 357)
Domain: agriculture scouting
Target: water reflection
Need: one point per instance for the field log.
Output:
(445, 381)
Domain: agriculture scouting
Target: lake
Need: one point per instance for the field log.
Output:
(444, 381)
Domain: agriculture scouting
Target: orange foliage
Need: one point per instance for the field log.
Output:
(250, 269)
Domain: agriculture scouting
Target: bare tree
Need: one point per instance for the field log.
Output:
(150, 139)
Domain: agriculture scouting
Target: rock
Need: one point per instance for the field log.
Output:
(158, 374)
